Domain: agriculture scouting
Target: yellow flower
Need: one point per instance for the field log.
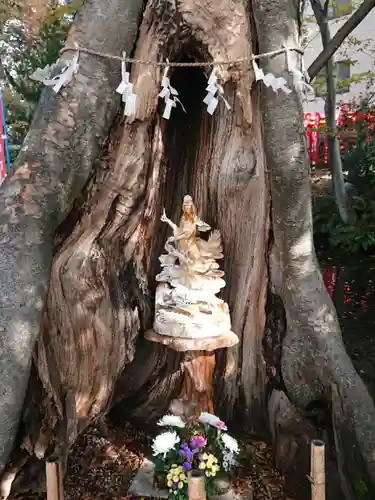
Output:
(175, 479)
(183, 477)
(208, 473)
(202, 465)
(169, 483)
(180, 485)
(204, 456)
(213, 473)
(174, 466)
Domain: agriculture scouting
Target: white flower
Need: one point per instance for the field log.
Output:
(164, 442)
(229, 461)
(230, 443)
(172, 421)
(213, 420)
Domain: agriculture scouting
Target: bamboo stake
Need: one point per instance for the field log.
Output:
(196, 485)
(317, 474)
(54, 478)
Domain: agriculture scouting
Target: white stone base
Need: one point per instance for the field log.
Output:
(176, 324)
(143, 482)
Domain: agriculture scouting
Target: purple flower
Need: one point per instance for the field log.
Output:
(175, 484)
(186, 452)
(186, 466)
(198, 441)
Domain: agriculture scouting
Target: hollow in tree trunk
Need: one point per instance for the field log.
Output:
(82, 213)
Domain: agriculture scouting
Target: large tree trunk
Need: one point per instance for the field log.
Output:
(90, 351)
(315, 365)
(51, 170)
(101, 287)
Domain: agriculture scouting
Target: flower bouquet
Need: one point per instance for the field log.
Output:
(197, 444)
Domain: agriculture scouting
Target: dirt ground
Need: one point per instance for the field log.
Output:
(321, 182)
(102, 464)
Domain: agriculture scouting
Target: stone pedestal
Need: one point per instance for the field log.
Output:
(198, 366)
(143, 485)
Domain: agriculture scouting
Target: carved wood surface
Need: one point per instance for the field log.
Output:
(198, 368)
(197, 391)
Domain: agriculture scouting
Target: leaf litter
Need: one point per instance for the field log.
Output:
(104, 460)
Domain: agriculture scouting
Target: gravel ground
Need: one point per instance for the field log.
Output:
(103, 462)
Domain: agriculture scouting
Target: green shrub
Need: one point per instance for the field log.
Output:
(359, 164)
(347, 238)
(359, 168)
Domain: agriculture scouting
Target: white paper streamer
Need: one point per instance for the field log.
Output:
(126, 90)
(214, 93)
(270, 80)
(300, 78)
(60, 80)
(169, 94)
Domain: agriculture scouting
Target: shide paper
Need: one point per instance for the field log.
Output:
(126, 90)
(62, 78)
(169, 94)
(270, 80)
(214, 93)
(300, 78)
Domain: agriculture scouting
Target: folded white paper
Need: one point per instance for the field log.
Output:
(65, 75)
(214, 92)
(125, 88)
(169, 94)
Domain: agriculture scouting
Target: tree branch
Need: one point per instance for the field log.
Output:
(334, 155)
(339, 37)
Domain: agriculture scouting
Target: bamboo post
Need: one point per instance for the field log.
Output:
(317, 474)
(196, 485)
(54, 478)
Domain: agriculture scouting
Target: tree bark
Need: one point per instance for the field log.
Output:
(51, 170)
(101, 286)
(314, 359)
(91, 352)
(222, 167)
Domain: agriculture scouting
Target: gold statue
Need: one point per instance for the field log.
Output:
(190, 247)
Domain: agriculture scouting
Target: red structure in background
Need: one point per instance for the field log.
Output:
(330, 278)
(332, 282)
(346, 122)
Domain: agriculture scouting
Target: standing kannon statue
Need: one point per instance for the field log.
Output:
(186, 304)
(189, 317)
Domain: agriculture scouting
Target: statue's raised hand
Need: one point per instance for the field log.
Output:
(171, 224)
(164, 217)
